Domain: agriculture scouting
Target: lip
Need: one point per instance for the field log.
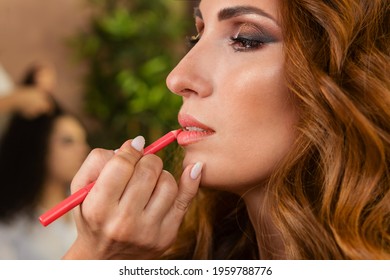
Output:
(198, 132)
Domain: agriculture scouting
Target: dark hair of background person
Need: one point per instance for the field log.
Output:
(23, 153)
(30, 76)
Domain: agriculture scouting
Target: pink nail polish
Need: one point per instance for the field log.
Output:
(196, 170)
(138, 143)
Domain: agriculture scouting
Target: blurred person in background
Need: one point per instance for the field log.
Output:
(29, 100)
(43, 76)
(38, 159)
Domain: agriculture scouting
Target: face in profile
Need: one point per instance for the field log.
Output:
(68, 148)
(237, 113)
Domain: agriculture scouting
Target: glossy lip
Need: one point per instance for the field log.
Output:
(190, 137)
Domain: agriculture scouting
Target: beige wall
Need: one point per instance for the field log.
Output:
(35, 30)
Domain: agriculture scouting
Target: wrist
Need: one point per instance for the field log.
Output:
(79, 251)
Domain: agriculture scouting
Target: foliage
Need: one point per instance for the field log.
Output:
(129, 48)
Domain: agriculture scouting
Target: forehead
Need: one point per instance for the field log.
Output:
(224, 9)
(67, 124)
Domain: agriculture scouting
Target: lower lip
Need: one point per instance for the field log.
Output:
(190, 137)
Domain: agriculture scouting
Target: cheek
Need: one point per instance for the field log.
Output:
(64, 163)
(245, 154)
(238, 161)
(254, 137)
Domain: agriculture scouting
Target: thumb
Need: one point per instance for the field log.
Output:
(188, 188)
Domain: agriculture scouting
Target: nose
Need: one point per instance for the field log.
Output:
(191, 76)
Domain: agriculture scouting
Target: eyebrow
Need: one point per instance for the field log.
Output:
(228, 13)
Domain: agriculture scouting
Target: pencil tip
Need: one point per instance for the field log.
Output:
(176, 132)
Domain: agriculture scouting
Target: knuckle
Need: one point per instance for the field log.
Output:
(127, 156)
(99, 155)
(95, 219)
(184, 199)
(168, 183)
(147, 174)
(167, 178)
(182, 204)
(123, 163)
(97, 152)
(154, 160)
(150, 167)
(118, 233)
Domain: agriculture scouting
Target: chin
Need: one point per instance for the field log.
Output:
(238, 184)
(218, 182)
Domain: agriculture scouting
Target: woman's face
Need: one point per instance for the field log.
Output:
(237, 113)
(68, 149)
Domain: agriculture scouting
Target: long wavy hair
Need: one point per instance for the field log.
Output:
(330, 197)
(23, 163)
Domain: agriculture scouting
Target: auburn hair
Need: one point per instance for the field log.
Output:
(330, 197)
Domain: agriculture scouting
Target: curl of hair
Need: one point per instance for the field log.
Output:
(331, 196)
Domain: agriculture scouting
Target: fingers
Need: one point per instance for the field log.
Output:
(91, 168)
(163, 197)
(116, 173)
(33, 103)
(154, 192)
(188, 188)
(155, 211)
(135, 208)
(142, 184)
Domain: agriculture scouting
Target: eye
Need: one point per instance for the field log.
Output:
(245, 44)
(66, 140)
(250, 37)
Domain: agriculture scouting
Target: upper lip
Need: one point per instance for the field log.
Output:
(186, 120)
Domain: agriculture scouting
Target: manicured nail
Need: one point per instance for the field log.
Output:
(116, 151)
(196, 170)
(138, 143)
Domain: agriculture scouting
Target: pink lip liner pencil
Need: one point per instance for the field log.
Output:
(78, 197)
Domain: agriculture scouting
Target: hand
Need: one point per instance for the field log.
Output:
(31, 102)
(135, 208)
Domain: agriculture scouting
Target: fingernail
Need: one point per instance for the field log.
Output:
(138, 143)
(116, 151)
(196, 170)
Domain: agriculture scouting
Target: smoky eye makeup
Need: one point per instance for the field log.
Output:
(247, 37)
(250, 37)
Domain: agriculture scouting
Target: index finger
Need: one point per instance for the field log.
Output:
(116, 173)
(91, 168)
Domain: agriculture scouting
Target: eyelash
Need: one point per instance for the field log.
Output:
(242, 44)
(239, 43)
